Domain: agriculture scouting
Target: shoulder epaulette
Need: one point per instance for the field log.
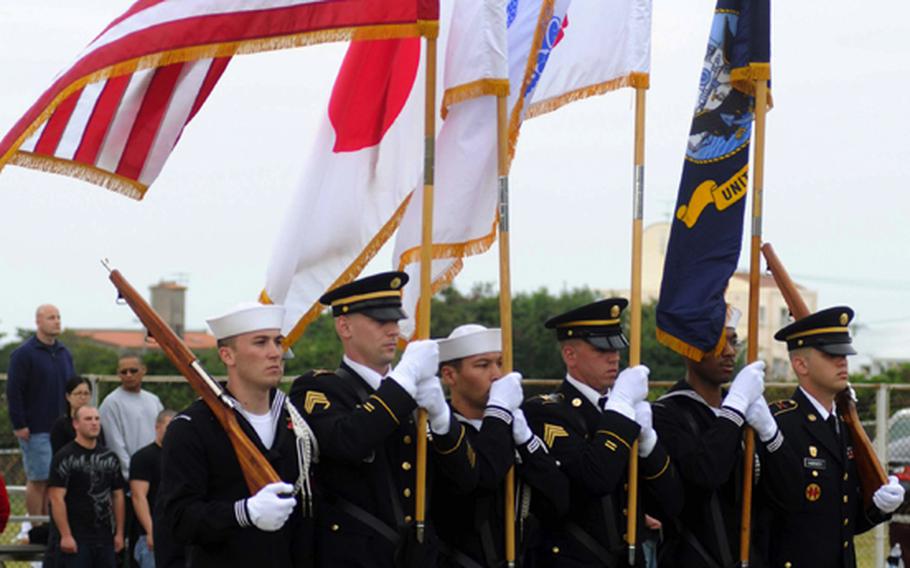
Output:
(551, 398)
(783, 406)
(316, 373)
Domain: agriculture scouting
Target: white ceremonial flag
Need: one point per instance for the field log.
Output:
(606, 45)
(367, 160)
(492, 45)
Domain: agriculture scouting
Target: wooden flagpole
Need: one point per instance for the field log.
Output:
(758, 183)
(426, 259)
(635, 301)
(505, 299)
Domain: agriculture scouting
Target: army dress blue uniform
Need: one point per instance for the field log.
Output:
(593, 449)
(821, 531)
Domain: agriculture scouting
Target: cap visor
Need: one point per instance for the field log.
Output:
(385, 314)
(607, 342)
(837, 349)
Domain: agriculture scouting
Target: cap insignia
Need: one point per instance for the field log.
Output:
(395, 283)
(844, 318)
(614, 311)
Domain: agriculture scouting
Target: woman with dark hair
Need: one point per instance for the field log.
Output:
(78, 394)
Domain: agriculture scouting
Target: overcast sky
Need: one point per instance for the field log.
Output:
(835, 201)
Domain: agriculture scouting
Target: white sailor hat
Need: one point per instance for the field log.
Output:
(246, 317)
(733, 316)
(469, 339)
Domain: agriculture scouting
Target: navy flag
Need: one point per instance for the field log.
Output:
(706, 234)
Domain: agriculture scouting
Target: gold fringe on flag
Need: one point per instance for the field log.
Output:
(218, 50)
(350, 273)
(91, 174)
(634, 79)
(687, 350)
(473, 90)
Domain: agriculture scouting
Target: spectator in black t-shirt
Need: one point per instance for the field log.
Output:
(145, 472)
(86, 495)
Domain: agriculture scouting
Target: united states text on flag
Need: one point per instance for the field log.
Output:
(706, 233)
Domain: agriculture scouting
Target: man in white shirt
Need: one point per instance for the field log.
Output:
(128, 413)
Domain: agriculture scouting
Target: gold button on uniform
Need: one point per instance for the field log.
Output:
(788, 565)
(846, 498)
(335, 528)
(846, 544)
(408, 518)
(406, 466)
(846, 522)
(407, 491)
(814, 474)
(407, 440)
(555, 550)
(846, 476)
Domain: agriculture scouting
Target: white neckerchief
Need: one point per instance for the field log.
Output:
(592, 395)
(824, 412)
(372, 378)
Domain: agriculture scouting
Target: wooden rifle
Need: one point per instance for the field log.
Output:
(871, 473)
(257, 471)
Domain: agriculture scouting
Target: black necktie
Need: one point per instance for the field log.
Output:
(832, 423)
(601, 402)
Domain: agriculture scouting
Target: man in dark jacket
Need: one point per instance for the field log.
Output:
(363, 417)
(591, 435)
(38, 372)
(203, 498)
(831, 508)
(702, 430)
(471, 520)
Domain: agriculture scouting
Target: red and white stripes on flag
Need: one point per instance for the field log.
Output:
(113, 117)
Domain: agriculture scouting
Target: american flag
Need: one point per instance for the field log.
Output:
(113, 117)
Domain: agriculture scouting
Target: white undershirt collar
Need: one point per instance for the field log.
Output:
(372, 378)
(822, 411)
(589, 393)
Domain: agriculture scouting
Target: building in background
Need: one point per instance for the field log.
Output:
(772, 312)
(168, 299)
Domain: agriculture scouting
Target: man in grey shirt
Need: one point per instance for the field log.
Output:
(128, 414)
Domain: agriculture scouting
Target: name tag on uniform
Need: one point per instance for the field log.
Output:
(814, 463)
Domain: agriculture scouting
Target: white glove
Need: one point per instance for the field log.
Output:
(747, 387)
(266, 509)
(431, 397)
(889, 496)
(506, 392)
(521, 432)
(419, 361)
(758, 415)
(647, 438)
(631, 387)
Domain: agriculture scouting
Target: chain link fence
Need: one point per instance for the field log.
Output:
(883, 408)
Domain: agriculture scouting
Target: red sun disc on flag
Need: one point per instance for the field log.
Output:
(372, 87)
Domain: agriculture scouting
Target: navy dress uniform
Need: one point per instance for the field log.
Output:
(706, 446)
(593, 447)
(820, 532)
(470, 517)
(365, 478)
(203, 501)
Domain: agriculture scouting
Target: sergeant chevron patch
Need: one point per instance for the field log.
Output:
(551, 432)
(312, 399)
